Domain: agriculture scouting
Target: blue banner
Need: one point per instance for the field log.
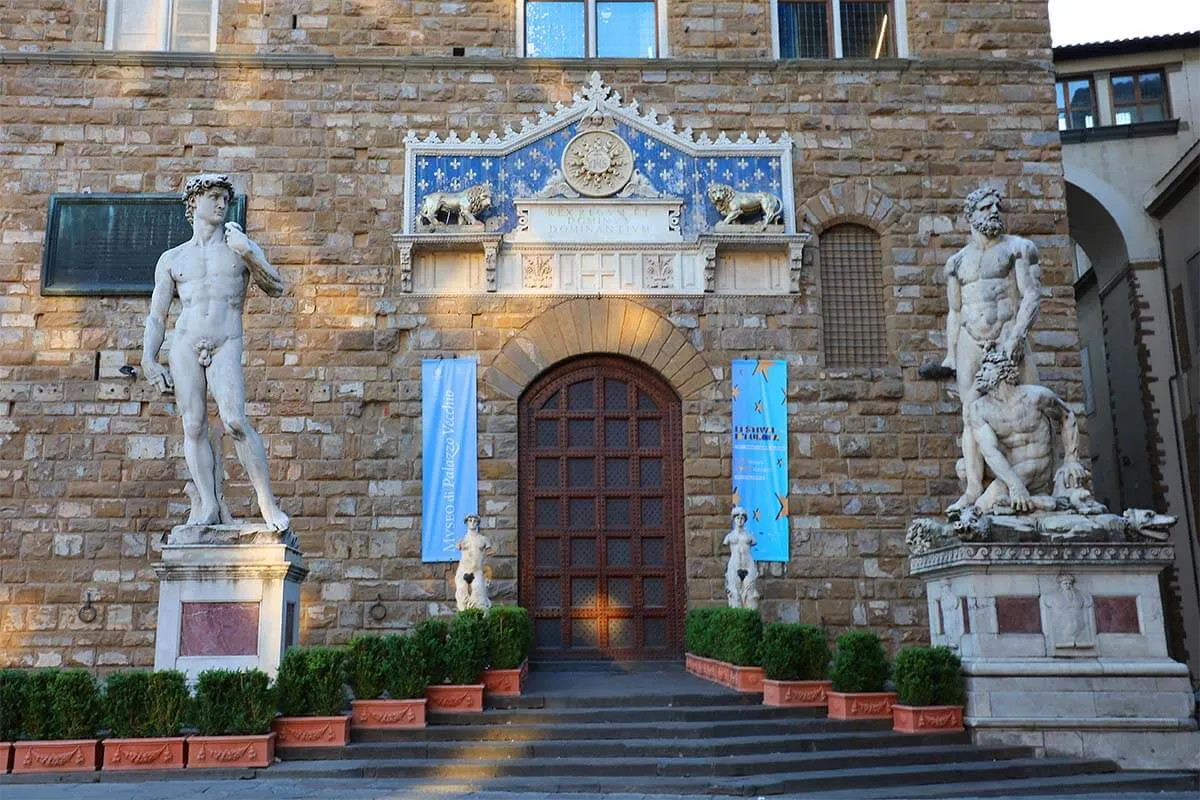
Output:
(449, 464)
(760, 453)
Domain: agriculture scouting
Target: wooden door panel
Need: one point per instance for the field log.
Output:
(601, 533)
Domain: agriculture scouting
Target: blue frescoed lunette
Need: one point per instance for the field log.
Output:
(522, 164)
(760, 453)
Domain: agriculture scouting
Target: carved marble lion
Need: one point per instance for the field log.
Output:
(733, 205)
(467, 205)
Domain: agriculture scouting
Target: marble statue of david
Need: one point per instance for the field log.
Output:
(210, 273)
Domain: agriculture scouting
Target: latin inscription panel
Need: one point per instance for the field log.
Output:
(566, 221)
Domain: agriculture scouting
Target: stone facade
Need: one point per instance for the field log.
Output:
(313, 117)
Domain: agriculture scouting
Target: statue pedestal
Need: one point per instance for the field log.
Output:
(1064, 649)
(229, 597)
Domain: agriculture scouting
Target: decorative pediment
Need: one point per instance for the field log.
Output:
(598, 147)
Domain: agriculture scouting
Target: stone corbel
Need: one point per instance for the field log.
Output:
(795, 265)
(404, 260)
(491, 251)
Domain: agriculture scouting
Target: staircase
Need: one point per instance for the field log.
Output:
(654, 728)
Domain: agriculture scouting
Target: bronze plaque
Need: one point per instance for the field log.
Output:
(108, 244)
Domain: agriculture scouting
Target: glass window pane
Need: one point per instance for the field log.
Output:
(866, 30)
(140, 25)
(1151, 86)
(1122, 89)
(1124, 116)
(803, 30)
(625, 30)
(1081, 94)
(554, 29)
(192, 26)
(1152, 113)
(1062, 121)
(1058, 96)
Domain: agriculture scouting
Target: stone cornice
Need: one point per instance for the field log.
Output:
(467, 63)
(1038, 554)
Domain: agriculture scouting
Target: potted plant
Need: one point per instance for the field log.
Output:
(859, 673)
(731, 637)
(465, 656)
(62, 714)
(232, 711)
(795, 661)
(929, 682)
(311, 689)
(12, 712)
(387, 675)
(699, 641)
(144, 711)
(509, 637)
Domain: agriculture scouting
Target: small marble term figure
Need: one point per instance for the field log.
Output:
(1069, 616)
(994, 289)
(950, 615)
(470, 579)
(210, 273)
(741, 574)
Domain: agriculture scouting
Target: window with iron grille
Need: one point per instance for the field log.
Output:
(855, 330)
(589, 28)
(837, 28)
(1139, 97)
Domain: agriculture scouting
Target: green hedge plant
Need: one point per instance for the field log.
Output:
(233, 703)
(367, 667)
(13, 684)
(698, 632)
(467, 647)
(860, 664)
(738, 636)
(509, 636)
(928, 676)
(406, 668)
(793, 652)
(143, 704)
(432, 636)
(387, 668)
(312, 682)
(38, 695)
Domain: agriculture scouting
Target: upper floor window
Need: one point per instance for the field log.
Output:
(836, 29)
(1076, 103)
(1139, 97)
(188, 25)
(591, 28)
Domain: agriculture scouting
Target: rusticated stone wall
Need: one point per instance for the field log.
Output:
(91, 472)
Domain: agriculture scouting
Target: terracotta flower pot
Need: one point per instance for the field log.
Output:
(741, 679)
(157, 753)
(63, 755)
(922, 719)
(388, 713)
(5, 757)
(745, 679)
(206, 752)
(455, 697)
(505, 682)
(861, 705)
(796, 694)
(312, 731)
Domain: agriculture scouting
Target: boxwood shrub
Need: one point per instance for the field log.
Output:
(928, 676)
(432, 636)
(860, 664)
(793, 652)
(698, 632)
(509, 636)
(738, 635)
(406, 668)
(13, 683)
(143, 704)
(466, 647)
(233, 703)
(311, 682)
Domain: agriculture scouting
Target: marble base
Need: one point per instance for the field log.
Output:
(229, 597)
(1064, 649)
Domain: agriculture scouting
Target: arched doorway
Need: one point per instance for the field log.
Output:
(601, 511)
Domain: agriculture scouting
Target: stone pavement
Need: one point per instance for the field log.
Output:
(266, 789)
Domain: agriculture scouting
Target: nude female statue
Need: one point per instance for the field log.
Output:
(470, 581)
(741, 574)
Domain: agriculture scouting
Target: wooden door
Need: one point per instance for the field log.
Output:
(601, 516)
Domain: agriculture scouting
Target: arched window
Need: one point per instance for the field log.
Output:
(855, 332)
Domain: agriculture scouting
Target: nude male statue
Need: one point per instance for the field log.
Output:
(470, 581)
(1014, 426)
(741, 573)
(994, 287)
(210, 273)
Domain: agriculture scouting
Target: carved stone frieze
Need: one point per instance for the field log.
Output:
(659, 271)
(537, 271)
(1041, 554)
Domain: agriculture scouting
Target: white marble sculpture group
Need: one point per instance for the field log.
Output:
(1020, 444)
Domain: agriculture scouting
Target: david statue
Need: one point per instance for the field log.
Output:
(210, 273)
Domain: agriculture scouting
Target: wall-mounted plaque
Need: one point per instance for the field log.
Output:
(109, 243)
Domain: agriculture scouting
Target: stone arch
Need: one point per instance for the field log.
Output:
(1138, 232)
(850, 201)
(599, 325)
